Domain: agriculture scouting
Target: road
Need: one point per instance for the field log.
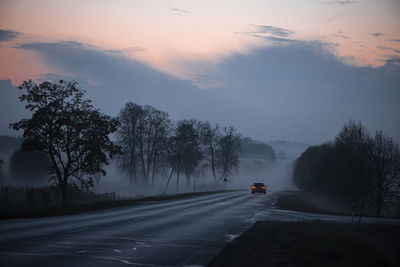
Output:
(183, 232)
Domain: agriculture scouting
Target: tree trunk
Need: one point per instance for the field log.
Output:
(64, 193)
(361, 209)
(188, 181)
(177, 178)
(130, 176)
(153, 173)
(213, 166)
(169, 178)
(142, 161)
(379, 197)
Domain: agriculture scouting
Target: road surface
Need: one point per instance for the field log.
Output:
(183, 232)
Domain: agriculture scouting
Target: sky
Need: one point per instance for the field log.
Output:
(288, 70)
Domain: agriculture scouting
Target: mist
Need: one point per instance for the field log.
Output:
(276, 174)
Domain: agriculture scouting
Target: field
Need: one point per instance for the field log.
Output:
(313, 244)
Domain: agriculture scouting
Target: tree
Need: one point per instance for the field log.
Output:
(69, 130)
(127, 136)
(210, 137)
(355, 168)
(385, 175)
(1, 166)
(227, 154)
(143, 136)
(185, 152)
(158, 134)
(355, 139)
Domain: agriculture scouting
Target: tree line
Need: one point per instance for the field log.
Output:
(75, 137)
(357, 167)
(152, 144)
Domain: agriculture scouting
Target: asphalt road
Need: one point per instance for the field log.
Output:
(183, 232)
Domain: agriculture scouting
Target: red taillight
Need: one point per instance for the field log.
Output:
(253, 187)
(264, 187)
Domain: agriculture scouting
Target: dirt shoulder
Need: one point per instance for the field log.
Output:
(313, 244)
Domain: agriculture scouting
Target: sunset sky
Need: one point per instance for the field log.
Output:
(202, 46)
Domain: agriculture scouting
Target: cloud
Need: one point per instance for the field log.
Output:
(7, 35)
(344, 2)
(278, 39)
(386, 48)
(337, 16)
(134, 49)
(377, 34)
(204, 80)
(300, 91)
(270, 33)
(276, 31)
(304, 89)
(341, 34)
(111, 78)
(394, 40)
(179, 11)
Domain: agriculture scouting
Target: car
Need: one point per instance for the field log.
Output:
(258, 188)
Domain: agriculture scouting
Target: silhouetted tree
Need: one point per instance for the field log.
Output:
(185, 151)
(143, 136)
(69, 130)
(127, 136)
(355, 139)
(356, 167)
(30, 167)
(156, 133)
(1, 169)
(385, 174)
(210, 137)
(227, 154)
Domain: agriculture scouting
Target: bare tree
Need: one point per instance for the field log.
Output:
(69, 130)
(355, 139)
(1, 171)
(227, 154)
(210, 136)
(156, 139)
(143, 136)
(129, 117)
(385, 174)
(186, 152)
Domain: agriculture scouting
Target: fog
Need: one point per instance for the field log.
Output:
(276, 174)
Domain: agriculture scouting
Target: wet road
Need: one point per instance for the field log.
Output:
(182, 232)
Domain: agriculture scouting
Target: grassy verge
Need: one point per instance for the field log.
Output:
(313, 244)
(87, 207)
(311, 202)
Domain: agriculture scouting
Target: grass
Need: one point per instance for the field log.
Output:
(101, 205)
(313, 244)
(312, 202)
